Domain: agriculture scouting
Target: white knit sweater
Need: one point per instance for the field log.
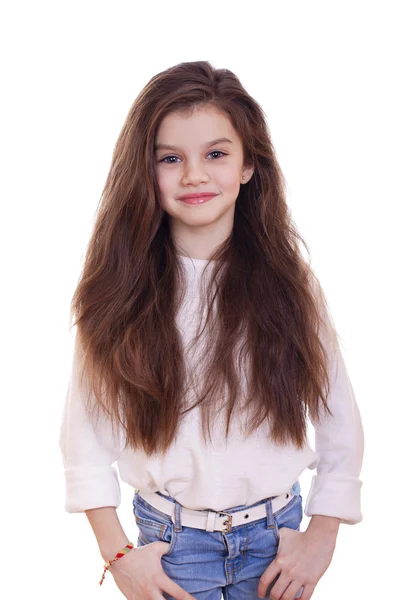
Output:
(224, 475)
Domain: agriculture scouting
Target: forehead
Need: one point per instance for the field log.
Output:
(201, 125)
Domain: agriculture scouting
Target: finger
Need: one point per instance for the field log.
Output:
(281, 587)
(270, 573)
(293, 591)
(308, 591)
(174, 589)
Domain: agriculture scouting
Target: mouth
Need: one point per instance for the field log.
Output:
(196, 198)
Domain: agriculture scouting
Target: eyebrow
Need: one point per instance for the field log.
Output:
(212, 143)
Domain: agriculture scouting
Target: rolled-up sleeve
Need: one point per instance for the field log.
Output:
(339, 442)
(88, 449)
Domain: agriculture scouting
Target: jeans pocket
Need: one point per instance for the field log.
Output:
(289, 516)
(153, 525)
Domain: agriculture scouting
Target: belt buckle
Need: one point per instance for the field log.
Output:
(227, 522)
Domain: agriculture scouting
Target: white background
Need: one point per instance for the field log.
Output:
(326, 74)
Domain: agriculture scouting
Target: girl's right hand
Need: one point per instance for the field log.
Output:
(140, 576)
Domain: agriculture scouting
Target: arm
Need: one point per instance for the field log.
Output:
(88, 451)
(91, 482)
(92, 486)
(339, 441)
(107, 528)
(325, 528)
(334, 497)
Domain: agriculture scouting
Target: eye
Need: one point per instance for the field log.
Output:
(166, 158)
(218, 152)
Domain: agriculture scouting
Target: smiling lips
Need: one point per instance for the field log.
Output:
(196, 198)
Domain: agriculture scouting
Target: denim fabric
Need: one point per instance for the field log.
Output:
(214, 565)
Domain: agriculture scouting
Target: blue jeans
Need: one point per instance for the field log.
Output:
(210, 565)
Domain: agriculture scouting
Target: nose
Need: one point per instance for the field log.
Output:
(194, 173)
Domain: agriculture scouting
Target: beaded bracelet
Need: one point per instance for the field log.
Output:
(119, 554)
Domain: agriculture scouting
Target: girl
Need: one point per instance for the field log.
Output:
(204, 342)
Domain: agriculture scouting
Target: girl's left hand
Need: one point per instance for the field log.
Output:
(302, 559)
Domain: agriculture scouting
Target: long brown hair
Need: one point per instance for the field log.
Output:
(270, 310)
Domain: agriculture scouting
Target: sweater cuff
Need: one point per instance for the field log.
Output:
(335, 496)
(91, 487)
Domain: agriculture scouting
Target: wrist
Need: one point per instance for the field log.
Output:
(109, 550)
(107, 528)
(324, 525)
(110, 564)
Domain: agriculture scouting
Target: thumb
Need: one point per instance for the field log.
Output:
(162, 547)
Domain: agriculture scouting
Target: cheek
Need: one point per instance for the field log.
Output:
(164, 179)
(229, 181)
(167, 186)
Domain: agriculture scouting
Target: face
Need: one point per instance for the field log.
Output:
(199, 154)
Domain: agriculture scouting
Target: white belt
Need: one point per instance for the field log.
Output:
(211, 520)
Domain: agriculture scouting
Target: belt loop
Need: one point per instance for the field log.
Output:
(270, 515)
(211, 516)
(177, 516)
